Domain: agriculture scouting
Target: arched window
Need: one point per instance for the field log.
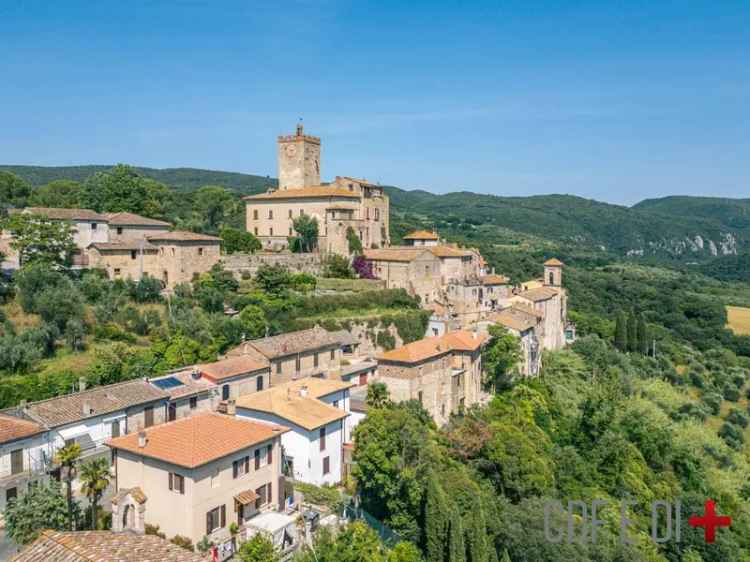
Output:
(551, 277)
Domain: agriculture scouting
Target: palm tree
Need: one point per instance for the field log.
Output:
(66, 458)
(94, 480)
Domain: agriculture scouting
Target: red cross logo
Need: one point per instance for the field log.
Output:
(710, 521)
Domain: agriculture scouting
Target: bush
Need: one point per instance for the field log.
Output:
(731, 393)
(713, 402)
(697, 380)
(184, 542)
(236, 240)
(737, 418)
(732, 436)
(338, 267)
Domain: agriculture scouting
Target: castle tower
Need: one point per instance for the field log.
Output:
(553, 273)
(299, 160)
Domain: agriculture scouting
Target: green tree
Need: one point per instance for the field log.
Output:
(354, 543)
(234, 240)
(306, 228)
(33, 280)
(621, 332)
(642, 335)
(123, 189)
(64, 194)
(500, 356)
(59, 305)
(67, 457)
(14, 191)
(456, 544)
(273, 278)
(258, 549)
(75, 332)
(632, 332)
(378, 395)
(506, 556)
(355, 244)
(338, 267)
(94, 476)
(38, 239)
(253, 321)
(213, 205)
(477, 545)
(41, 507)
(437, 516)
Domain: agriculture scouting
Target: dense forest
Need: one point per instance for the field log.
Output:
(609, 419)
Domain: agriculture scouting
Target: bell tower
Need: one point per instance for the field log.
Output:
(553, 273)
(299, 160)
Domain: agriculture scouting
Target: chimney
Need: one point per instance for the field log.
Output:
(303, 391)
(81, 384)
(142, 439)
(474, 335)
(87, 409)
(196, 374)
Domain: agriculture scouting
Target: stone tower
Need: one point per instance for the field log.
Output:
(299, 160)
(553, 273)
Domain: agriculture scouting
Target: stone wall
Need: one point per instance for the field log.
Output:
(249, 263)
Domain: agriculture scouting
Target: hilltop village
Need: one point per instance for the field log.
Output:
(211, 451)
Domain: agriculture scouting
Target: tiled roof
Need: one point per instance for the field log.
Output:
(554, 262)
(286, 401)
(358, 180)
(493, 279)
(63, 214)
(103, 546)
(12, 428)
(345, 337)
(123, 246)
(539, 294)
(448, 252)
(306, 193)
(188, 386)
(515, 319)
(131, 219)
(102, 400)
(288, 344)
(402, 254)
(427, 348)
(231, 367)
(421, 235)
(198, 439)
(183, 236)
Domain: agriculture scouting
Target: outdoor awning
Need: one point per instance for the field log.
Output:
(246, 498)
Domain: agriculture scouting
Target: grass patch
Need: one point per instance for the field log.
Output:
(738, 320)
(20, 319)
(352, 285)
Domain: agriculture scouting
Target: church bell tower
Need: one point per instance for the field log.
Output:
(299, 160)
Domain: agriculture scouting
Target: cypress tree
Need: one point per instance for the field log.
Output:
(642, 335)
(632, 332)
(477, 546)
(456, 544)
(621, 332)
(435, 520)
(506, 556)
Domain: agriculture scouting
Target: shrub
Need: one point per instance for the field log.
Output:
(697, 380)
(713, 402)
(732, 436)
(737, 418)
(731, 393)
(184, 542)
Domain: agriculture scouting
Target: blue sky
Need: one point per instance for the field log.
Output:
(616, 101)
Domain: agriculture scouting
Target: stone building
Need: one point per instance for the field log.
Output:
(525, 324)
(421, 238)
(346, 203)
(551, 301)
(129, 227)
(444, 373)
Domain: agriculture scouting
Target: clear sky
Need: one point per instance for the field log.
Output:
(612, 100)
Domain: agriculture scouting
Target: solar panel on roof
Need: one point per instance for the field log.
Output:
(167, 383)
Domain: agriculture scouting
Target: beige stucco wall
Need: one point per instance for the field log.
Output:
(134, 233)
(124, 264)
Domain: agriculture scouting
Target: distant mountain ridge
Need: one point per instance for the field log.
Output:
(677, 227)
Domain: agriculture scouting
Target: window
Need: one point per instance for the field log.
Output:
(297, 364)
(270, 231)
(257, 459)
(377, 214)
(335, 403)
(193, 402)
(264, 494)
(301, 212)
(117, 272)
(290, 213)
(327, 465)
(200, 251)
(419, 396)
(290, 231)
(216, 519)
(94, 226)
(225, 392)
(322, 438)
(255, 230)
(270, 213)
(171, 411)
(255, 214)
(442, 409)
(119, 230)
(133, 254)
(177, 483)
(10, 494)
(333, 354)
(148, 416)
(16, 461)
(269, 454)
(216, 478)
(259, 384)
(551, 278)
(367, 213)
(241, 467)
(315, 359)
(278, 368)
(172, 251)
(116, 428)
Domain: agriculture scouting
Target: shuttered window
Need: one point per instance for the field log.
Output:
(269, 454)
(257, 459)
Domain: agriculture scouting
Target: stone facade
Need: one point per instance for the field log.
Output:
(345, 203)
(248, 264)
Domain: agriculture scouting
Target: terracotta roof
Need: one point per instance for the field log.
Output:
(188, 385)
(131, 219)
(247, 497)
(123, 246)
(306, 193)
(421, 235)
(427, 348)
(358, 180)
(287, 402)
(102, 400)
(12, 428)
(554, 262)
(493, 279)
(515, 319)
(527, 309)
(198, 439)
(103, 546)
(183, 236)
(288, 344)
(401, 254)
(449, 252)
(63, 214)
(539, 294)
(231, 367)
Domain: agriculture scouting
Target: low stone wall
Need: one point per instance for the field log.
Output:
(249, 263)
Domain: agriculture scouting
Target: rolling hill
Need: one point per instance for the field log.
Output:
(682, 228)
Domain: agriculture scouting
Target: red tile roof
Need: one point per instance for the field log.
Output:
(312, 192)
(13, 428)
(427, 348)
(231, 367)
